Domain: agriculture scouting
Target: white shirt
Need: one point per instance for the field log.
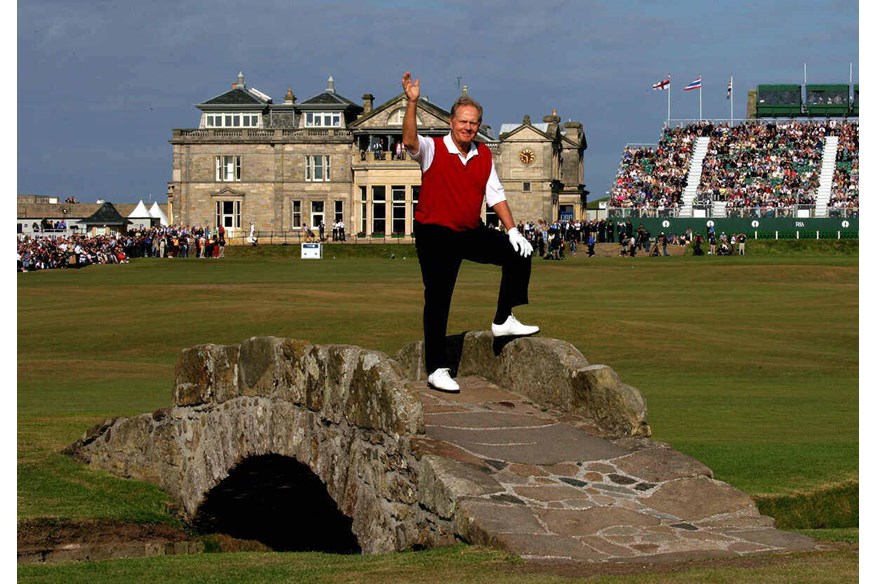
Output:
(495, 191)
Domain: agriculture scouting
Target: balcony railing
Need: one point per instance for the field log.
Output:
(263, 133)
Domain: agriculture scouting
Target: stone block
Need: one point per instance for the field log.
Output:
(693, 499)
(661, 464)
(204, 374)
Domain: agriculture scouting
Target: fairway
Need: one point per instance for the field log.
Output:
(749, 364)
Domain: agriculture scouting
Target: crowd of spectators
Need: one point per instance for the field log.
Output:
(755, 168)
(652, 179)
(77, 251)
(768, 168)
(844, 193)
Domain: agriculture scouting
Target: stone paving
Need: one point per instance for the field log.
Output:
(544, 485)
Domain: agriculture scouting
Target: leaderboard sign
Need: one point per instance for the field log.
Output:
(311, 251)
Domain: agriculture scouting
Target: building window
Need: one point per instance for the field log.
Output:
(378, 206)
(317, 168)
(398, 210)
(527, 187)
(491, 219)
(322, 120)
(235, 120)
(415, 197)
(227, 168)
(228, 214)
(296, 214)
(317, 213)
(363, 198)
(339, 211)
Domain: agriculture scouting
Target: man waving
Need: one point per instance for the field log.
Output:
(458, 173)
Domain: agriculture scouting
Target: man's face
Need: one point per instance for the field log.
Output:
(464, 126)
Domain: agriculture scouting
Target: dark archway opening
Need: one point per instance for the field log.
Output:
(281, 503)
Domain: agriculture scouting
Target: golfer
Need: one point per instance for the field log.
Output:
(457, 174)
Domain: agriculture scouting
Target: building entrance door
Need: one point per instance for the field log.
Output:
(317, 214)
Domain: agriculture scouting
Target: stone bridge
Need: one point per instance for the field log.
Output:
(340, 448)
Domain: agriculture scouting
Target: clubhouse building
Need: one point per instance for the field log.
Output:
(282, 166)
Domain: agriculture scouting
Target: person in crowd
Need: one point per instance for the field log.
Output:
(458, 174)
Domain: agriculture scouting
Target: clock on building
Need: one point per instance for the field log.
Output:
(527, 156)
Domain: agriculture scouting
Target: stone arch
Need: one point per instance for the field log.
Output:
(281, 503)
(344, 412)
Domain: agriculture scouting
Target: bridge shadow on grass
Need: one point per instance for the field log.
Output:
(279, 502)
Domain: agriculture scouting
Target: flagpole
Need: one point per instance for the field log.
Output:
(731, 101)
(669, 101)
(701, 101)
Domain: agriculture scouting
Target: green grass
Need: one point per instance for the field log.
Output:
(749, 364)
(439, 566)
(832, 506)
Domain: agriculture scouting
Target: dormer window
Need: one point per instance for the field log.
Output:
(322, 120)
(232, 120)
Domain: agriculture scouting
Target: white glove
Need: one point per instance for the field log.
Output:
(519, 243)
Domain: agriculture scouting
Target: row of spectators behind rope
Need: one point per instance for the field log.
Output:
(844, 193)
(652, 180)
(47, 253)
(550, 240)
(768, 168)
(79, 251)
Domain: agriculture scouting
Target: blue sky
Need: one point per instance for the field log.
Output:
(102, 84)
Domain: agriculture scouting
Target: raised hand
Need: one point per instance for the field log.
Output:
(412, 87)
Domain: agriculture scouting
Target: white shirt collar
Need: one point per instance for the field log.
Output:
(451, 147)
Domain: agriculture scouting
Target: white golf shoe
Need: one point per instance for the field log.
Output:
(440, 379)
(514, 328)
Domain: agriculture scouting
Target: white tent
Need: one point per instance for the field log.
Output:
(156, 213)
(140, 217)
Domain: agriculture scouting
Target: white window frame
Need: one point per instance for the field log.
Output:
(232, 120)
(317, 168)
(322, 120)
(227, 168)
(296, 214)
(222, 215)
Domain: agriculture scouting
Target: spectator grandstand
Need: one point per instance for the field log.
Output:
(751, 169)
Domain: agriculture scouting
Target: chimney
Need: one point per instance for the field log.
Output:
(290, 97)
(239, 84)
(331, 85)
(553, 118)
(573, 130)
(367, 103)
(553, 122)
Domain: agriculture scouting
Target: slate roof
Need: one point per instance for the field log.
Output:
(236, 97)
(107, 214)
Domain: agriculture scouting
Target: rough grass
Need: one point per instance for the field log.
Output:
(828, 507)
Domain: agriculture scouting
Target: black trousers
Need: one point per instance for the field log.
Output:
(440, 251)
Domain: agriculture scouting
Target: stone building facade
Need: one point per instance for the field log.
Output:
(282, 167)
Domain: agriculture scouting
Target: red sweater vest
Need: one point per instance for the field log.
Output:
(452, 192)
